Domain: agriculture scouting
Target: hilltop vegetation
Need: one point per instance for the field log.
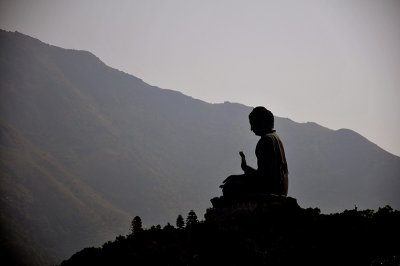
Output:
(263, 236)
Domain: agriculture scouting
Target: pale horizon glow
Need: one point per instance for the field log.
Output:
(336, 63)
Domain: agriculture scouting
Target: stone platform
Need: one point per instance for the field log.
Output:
(226, 208)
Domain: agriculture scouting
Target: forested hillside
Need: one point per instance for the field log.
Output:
(266, 235)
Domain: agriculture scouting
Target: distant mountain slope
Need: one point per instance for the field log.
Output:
(42, 205)
(106, 144)
(337, 169)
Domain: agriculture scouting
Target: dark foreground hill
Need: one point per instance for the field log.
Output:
(85, 147)
(260, 235)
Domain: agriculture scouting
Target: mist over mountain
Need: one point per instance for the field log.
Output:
(85, 147)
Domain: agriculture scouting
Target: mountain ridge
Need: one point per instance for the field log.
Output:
(148, 151)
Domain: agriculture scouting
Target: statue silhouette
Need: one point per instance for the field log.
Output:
(271, 175)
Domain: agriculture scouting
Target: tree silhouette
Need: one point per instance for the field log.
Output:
(136, 225)
(168, 227)
(180, 223)
(191, 219)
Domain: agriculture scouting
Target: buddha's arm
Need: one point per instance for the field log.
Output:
(247, 169)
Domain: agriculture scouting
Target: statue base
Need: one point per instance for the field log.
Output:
(231, 208)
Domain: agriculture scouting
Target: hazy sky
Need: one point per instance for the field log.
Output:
(336, 63)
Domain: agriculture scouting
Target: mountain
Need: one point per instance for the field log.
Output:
(85, 147)
(44, 206)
